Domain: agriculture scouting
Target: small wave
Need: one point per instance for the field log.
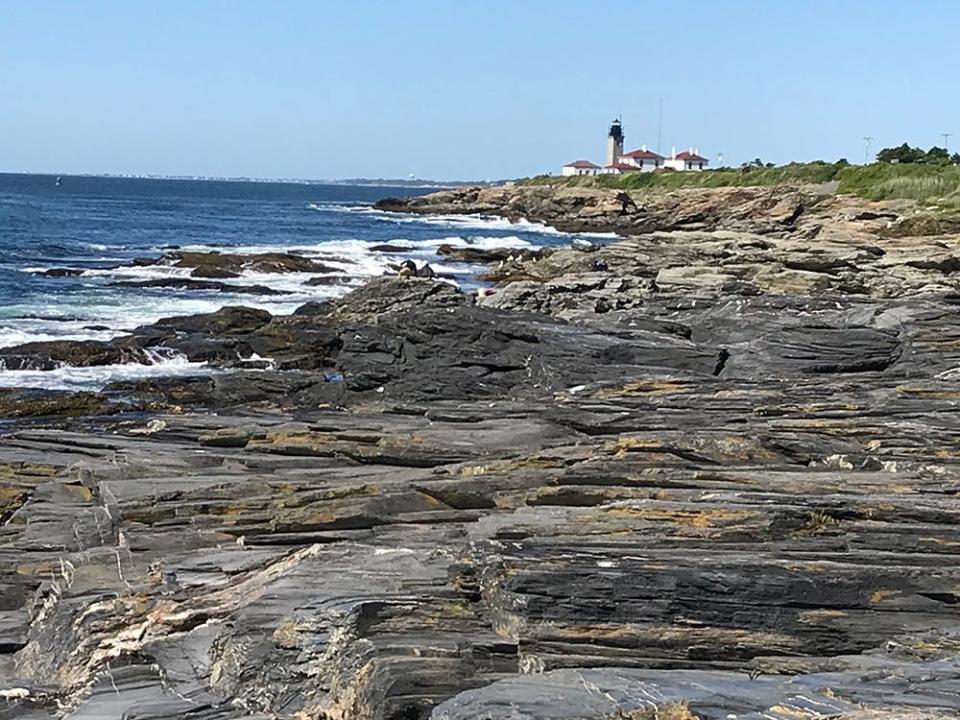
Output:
(96, 378)
(10, 337)
(490, 222)
(479, 222)
(481, 242)
(139, 272)
(348, 205)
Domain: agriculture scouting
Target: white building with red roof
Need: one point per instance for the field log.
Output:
(619, 168)
(579, 167)
(642, 160)
(687, 160)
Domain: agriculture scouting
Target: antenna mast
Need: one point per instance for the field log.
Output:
(946, 137)
(866, 149)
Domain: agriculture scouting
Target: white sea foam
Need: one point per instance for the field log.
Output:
(479, 222)
(473, 222)
(139, 272)
(95, 378)
(352, 262)
(10, 336)
(482, 242)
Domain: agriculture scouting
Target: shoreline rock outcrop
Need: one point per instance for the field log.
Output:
(715, 475)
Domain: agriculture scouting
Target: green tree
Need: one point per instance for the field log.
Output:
(937, 156)
(901, 154)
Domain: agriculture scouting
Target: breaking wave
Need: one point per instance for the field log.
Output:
(96, 378)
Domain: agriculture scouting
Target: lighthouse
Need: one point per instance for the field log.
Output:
(614, 143)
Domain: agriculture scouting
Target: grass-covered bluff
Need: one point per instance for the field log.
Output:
(936, 185)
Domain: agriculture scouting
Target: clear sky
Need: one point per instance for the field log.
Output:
(467, 89)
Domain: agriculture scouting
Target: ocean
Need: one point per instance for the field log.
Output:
(97, 227)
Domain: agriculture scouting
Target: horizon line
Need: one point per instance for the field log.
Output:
(247, 178)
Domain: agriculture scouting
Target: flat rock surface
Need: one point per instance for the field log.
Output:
(593, 494)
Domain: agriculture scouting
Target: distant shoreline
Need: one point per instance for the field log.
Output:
(366, 182)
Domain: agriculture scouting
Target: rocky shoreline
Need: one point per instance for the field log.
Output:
(707, 470)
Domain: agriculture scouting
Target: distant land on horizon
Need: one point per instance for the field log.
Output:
(372, 182)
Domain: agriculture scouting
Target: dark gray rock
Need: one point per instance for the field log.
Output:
(716, 478)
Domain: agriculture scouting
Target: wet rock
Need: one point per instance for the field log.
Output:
(203, 285)
(388, 248)
(55, 353)
(230, 320)
(326, 280)
(60, 272)
(225, 265)
(472, 255)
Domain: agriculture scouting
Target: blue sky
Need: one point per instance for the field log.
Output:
(462, 88)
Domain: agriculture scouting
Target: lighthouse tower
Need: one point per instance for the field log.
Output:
(614, 143)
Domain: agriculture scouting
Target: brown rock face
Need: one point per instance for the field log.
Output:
(589, 210)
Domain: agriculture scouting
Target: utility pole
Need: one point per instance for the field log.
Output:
(946, 137)
(866, 149)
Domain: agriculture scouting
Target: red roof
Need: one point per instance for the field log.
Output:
(690, 156)
(644, 155)
(622, 166)
(582, 164)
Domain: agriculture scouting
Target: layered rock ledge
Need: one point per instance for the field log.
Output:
(714, 476)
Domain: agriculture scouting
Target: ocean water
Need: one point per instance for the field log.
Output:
(99, 226)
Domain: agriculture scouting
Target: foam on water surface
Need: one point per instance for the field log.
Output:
(96, 378)
(111, 223)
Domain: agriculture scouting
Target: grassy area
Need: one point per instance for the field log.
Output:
(931, 185)
(815, 172)
(937, 185)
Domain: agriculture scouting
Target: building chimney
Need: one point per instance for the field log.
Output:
(643, 147)
(691, 149)
(673, 153)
